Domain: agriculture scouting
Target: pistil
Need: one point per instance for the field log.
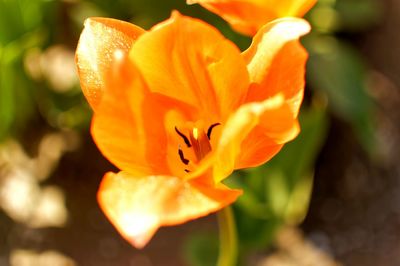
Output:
(200, 143)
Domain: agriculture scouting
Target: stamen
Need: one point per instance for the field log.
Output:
(182, 157)
(209, 131)
(199, 141)
(185, 139)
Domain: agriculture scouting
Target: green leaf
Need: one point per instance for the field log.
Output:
(201, 249)
(255, 233)
(7, 108)
(14, 50)
(297, 205)
(356, 15)
(16, 101)
(338, 71)
(18, 17)
(277, 190)
(249, 202)
(289, 173)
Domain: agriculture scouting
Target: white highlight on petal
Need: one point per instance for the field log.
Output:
(276, 35)
(138, 226)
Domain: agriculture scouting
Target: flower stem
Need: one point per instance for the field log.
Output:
(227, 238)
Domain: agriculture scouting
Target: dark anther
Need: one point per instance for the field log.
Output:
(187, 171)
(183, 159)
(210, 129)
(185, 139)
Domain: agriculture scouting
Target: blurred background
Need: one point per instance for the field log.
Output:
(331, 197)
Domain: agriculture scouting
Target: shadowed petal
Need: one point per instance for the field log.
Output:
(138, 206)
(99, 40)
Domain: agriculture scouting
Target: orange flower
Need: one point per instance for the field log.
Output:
(178, 108)
(248, 16)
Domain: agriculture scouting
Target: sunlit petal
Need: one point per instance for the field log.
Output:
(137, 206)
(99, 40)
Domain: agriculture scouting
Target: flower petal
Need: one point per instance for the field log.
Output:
(276, 62)
(99, 40)
(276, 127)
(129, 124)
(268, 118)
(248, 16)
(270, 123)
(138, 205)
(189, 60)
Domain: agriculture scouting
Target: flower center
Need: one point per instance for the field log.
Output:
(198, 141)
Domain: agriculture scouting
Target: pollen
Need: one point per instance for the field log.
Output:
(196, 133)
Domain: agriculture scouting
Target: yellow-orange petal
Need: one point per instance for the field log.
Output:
(270, 121)
(128, 125)
(138, 205)
(100, 38)
(276, 127)
(189, 60)
(256, 149)
(276, 62)
(248, 16)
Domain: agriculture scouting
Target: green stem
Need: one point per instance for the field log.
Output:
(227, 238)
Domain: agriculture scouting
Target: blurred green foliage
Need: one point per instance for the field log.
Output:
(20, 30)
(275, 194)
(336, 70)
(202, 249)
(28, 26)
